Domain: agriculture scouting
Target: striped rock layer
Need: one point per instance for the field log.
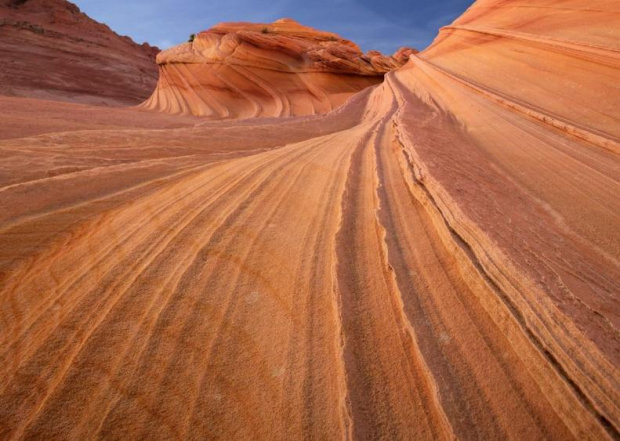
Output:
(244, 70)
(436, 259)
(51, 50)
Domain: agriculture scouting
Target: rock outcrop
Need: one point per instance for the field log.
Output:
(510, 122)
(242, 70)
(51, 50)
(436, 259)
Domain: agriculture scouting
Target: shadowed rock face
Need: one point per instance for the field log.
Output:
(51, 50)
(436, 259)
(241, 70)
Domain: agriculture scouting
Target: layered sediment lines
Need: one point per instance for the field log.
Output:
(50, 50)
(438, 258)
(246, 70)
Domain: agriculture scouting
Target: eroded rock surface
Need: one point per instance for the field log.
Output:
(243, 70)
(51, 50)
(436, 259)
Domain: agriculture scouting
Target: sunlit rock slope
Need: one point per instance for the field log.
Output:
(243, 70)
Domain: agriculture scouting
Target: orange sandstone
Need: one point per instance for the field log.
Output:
(437, 258)
(242, 70)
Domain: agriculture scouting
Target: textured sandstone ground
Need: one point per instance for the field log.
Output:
(51, 50)
(438, 258)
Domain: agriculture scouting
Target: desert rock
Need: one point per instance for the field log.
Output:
(435, 259)
(243, 70)
(49, 49)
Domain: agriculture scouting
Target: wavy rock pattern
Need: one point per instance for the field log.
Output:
(244, 70)
(438, 258)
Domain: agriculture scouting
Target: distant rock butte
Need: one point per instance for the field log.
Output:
(50, 49)
(242, 70)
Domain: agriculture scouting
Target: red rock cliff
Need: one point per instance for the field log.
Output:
(49, 49)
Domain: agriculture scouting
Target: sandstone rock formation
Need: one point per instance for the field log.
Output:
(51, 50)
(438, 258)
(242, 70)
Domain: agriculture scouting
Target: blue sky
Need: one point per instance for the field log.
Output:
(383, 25)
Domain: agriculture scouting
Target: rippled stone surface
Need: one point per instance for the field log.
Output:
(437, 258)
(244, 70)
